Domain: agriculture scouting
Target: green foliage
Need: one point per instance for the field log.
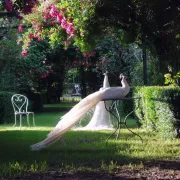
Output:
(158, 109)
(10, 57)
(36, 100)
(109, 51)
(6, 108)
(172, 80)
(19, 74)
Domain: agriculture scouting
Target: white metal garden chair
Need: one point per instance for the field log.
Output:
(20, 106)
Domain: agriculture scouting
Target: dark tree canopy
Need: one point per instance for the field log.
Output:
(155, 22)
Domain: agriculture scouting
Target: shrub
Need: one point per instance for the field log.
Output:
(36, 101)
(6, 109)
(159, 109)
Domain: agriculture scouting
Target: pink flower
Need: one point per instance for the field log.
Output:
(104, 60)
(31, 36)
(8, 5)
(64, 24)
(73, 32)
(44, 62)
(93, 53)
(69, 28)
(33, 25)
(47, 16)
(38, 28)
(20, 27)
(39, 39)
(24, 53)
(85, 55)
(54, 11)
(18, 42)
(59, 18)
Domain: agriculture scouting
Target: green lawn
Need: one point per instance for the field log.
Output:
(78, 148)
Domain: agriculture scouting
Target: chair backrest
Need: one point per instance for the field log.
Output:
(19, 102)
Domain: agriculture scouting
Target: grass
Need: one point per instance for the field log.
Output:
(78, 149)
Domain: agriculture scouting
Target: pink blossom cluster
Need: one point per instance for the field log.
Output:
(8, 5)
(20, 27)
(85, 63)
(40, 74)
(99, 65)
(46, 74)
(24, 53)
(104, 60)
(89, 54)
(55, 16)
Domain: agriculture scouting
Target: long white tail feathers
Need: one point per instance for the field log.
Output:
(79, 110)
(69, 120)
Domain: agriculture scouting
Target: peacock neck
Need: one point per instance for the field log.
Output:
(124, 82)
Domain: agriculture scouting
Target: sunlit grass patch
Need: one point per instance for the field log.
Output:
(79, 149)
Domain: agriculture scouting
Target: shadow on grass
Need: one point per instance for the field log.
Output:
(74, 148)
(62, 107)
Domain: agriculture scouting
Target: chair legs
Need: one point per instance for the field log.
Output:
(21, 120)
(15, 120)
(33, 120)
(28, 120)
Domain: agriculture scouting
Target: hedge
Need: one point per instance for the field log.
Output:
(158, 109)
(6, 109)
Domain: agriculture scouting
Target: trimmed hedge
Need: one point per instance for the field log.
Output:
(6, 109)
(159, 109)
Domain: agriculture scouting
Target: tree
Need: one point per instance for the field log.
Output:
(153, 25)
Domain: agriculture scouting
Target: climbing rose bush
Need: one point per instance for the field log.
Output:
(61, 22)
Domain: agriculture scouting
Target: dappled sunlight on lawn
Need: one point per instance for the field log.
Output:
(79, 148)
(44, 122)
(37, 128)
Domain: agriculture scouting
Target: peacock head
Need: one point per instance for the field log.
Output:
(121, 76)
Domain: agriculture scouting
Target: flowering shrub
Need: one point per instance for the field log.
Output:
(62, 23)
